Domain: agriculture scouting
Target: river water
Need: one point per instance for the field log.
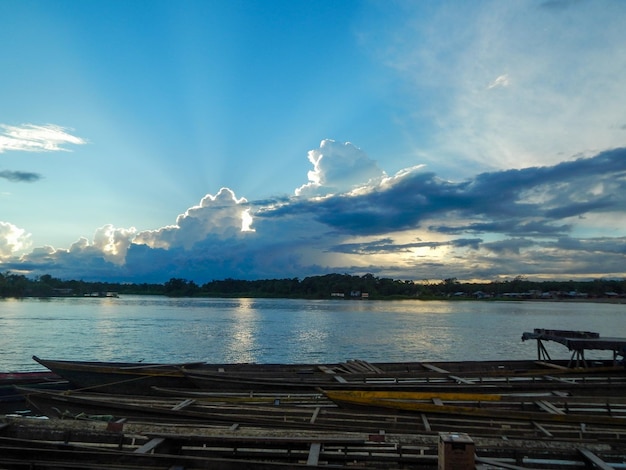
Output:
(159, 329)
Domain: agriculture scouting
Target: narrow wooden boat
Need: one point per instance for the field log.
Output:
(118, 377)
(540, 407)
(327, 416)
(137, 378)
(582, 381)
(39, 379)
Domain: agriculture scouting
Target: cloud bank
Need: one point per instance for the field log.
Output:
(351, 217)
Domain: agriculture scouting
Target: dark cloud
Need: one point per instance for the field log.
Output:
(512, 245)
(20, 176)
(387, 245)
(495, 225)
(514, 201)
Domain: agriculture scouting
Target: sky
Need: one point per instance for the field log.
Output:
(251, 139)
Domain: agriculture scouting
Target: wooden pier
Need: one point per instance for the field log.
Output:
(577, 342)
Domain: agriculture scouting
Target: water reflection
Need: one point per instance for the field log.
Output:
(274, 330)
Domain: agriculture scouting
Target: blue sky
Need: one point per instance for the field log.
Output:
(145, 140)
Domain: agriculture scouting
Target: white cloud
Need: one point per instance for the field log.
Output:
(34, 138)
(13, 240)
(558, 91)
(500, 82)
(221, 216)
(114, 242)
(338, 167)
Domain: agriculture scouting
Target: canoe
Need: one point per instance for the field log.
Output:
(39, 379)
(466, 382)
(527, 406)
(118, 377)
(141, 378)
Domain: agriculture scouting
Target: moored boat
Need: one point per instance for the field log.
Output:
(38, 379)
(118, 377)
(557, 407)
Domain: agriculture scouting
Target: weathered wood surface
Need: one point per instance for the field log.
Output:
(81, 444)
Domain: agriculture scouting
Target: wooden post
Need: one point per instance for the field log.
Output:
(456, 451)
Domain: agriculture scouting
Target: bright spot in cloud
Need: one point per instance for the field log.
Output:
(114, 242)
(218, 216)
(246, 221)
(13, 239)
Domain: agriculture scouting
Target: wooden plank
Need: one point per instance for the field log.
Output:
(498, 463)
(340, 379)
(315, 413)
(549, 364)
(461, 379)
(435, 368)
(549, 407)
(326, 369)
(150, 445)
(559, 379)
(314, 454)
(437, 401)
(542, 429)
(183, 404)
(370, 367)
(594, 459)
(425, 422)
(351, 368)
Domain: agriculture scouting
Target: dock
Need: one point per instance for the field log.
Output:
(577, 342)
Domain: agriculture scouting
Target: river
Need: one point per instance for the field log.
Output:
(159, 329)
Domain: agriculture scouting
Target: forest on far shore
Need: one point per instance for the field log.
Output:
(320, 287)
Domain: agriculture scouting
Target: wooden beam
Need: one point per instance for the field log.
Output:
(315, 413)
(498, 463)
(549, 407)
(435, 368)
(458, 379)
(150, 445)
(541, 428)
(183, 404)
(425, 422)
(550, 364)
(594, 459)
(314, 454)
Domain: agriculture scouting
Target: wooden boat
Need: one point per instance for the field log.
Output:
(72, 444)
(145, 378)
(442, 381)
(118, 377)
(137, 377)
(540, 407)
(392, 414)
(39, 379)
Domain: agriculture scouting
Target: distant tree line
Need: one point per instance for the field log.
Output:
(314, 287)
